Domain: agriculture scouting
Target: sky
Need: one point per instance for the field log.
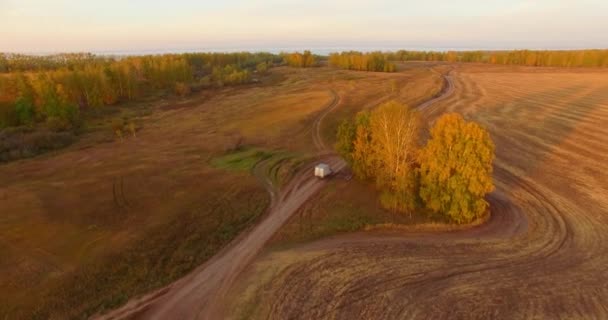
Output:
(140, 26)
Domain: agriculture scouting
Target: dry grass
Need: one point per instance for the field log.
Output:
(347, 206)
(85, 228)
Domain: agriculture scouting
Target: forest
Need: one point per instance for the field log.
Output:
(354, 60)
(55, 88)
(300, 59)
(537, 58)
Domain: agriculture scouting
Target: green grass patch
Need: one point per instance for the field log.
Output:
(279, 165)
(241, 160)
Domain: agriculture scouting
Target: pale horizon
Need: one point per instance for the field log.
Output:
(114, 27)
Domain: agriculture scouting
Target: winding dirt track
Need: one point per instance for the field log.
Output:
(543, 254)
(199, 294)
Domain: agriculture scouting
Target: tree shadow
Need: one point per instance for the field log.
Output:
(526, 144)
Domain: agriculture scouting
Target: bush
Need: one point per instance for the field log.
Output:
(182, 89)
(22, 142)
(24, 110)
(8, 116)
(262, 68)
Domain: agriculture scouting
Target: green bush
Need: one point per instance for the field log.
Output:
(24, 111)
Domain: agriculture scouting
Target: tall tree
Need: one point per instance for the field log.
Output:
(456, 168)
(362, 154)
(382, 146)
(345, 138)
(395, 137)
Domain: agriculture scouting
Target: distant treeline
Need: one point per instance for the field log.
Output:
(55, 88)
(544, 58)
(12, 62)
(299, 59)
(382, 61)
(354, 60)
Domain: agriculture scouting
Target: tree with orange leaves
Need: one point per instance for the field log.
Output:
(456, 169)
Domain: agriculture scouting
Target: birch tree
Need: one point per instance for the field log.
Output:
(395, 132)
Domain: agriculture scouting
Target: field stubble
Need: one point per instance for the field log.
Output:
(543, 254)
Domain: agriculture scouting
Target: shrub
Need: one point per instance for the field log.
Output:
(22, 142)
(182, 89)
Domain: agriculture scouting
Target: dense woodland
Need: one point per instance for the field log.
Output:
(300, 59)
(353, 60)
(383, 61)
(55, 88)
(449, 176)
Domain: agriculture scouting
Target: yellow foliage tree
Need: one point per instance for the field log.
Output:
(456, 169)
(353, 60)
(384, 149)
(300, 60)
(394, 131)
(362, 157)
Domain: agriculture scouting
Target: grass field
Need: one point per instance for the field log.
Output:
(542, 254)
(87, 227)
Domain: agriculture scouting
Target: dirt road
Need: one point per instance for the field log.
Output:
(199, 294)
(447, 91)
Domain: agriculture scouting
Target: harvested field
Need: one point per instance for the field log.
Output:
(543, 253)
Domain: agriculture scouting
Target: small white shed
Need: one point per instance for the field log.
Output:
(322, 170)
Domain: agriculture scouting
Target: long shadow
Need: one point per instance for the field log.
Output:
(529, 155)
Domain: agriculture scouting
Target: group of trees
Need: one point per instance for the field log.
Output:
(299, 59)
(354, 60)
(55, 88)
(382, 61)
(451, 174)
(13, 62)
(545, 58)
